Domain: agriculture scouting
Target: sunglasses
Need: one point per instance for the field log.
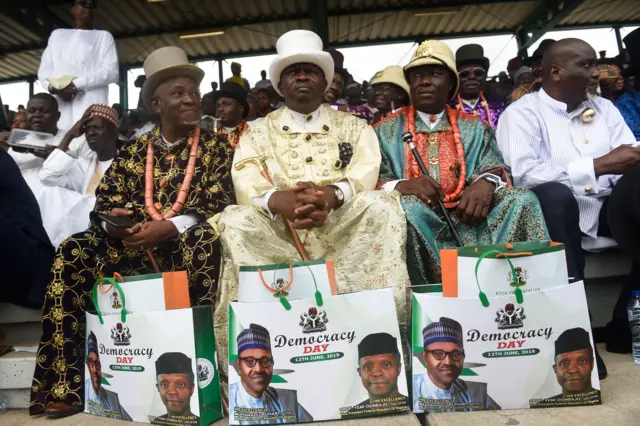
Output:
(251, 362)
(477, 72)
(441, 355)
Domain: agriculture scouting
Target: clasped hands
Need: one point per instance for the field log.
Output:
(68, 93)
(306, 205)
(474, 204)
(142, 235)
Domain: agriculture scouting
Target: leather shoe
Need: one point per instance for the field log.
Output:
(618, 337)
(60, 409)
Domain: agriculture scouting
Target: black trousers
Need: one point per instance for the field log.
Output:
(25, 263)
(560, 209)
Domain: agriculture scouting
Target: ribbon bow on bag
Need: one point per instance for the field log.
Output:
(518, 291)
(280, 287)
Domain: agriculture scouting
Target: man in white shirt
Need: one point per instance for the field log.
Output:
(42, 116)
(71, 182)
(79, 64)
(572, 149)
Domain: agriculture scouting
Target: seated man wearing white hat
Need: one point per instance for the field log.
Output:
(391, 92)
(466, 170)
(165, 183)
(323, 164)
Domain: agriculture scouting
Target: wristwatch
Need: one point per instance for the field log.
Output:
(499, 184)
(339, 195)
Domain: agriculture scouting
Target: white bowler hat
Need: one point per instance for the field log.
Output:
(300, 46)
(163, 64)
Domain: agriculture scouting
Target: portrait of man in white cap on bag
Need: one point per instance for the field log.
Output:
(323, 166)
(253, 393)
(443, 356)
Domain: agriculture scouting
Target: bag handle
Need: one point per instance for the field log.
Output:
(114, 284)
(483, 296)
(280, 292)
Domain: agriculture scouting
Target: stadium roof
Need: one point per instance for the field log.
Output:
(251, 27)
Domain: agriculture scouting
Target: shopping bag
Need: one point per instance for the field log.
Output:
(539, 265)
(516, 351)
(144, 293)
(152, 367)
(263, 283)
(323, 358)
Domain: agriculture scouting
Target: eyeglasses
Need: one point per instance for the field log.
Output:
(265, 362)
(441, 355)
(477, 72)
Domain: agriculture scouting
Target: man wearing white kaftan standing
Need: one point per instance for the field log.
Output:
(79, 64)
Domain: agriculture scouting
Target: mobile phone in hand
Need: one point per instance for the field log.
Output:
(118, 222)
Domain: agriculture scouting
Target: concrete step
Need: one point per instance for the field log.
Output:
(16, 370)
(14, 314)
(22, 334)
(17, 398)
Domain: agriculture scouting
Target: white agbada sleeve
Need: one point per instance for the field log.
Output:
(61, 169)
(107, 72)
(46, 62)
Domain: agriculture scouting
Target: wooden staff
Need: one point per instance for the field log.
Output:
(261, 164)
(408, 139)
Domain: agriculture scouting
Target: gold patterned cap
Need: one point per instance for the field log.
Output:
(434, 52)
(393, 75)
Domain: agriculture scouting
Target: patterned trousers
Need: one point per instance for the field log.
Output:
(80, 261)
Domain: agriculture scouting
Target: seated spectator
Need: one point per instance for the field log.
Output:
(523, 78)
(389, 92)
(629, 102)
(466, 170)
(167, 182)
(611, 81)
(42, 116)
(233, 109)
(264, 106)
(574, 149)
(26, 254)
(208, 105)
(71, 183)
(355, 103)
(473, 68)
(20, 120)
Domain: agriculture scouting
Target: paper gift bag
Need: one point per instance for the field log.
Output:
(152, 367)
(144, 293)
(325, 358)
(539, 265)
(499, 353)
(292, 279)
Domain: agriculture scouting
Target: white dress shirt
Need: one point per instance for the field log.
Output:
(305, 121)
(542, 142)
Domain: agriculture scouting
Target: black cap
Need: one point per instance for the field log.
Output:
(232, 90)
(574, 339)
(632, 42)
(86, 3)
(377, 344)
(173, 363)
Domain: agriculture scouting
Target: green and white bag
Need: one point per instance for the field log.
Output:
(152, 367)
(319, 355)
(522, 350)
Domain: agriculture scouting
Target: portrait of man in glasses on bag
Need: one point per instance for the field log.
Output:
(440, 388)
(252, 400)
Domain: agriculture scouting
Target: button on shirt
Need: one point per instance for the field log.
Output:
(542, 142)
